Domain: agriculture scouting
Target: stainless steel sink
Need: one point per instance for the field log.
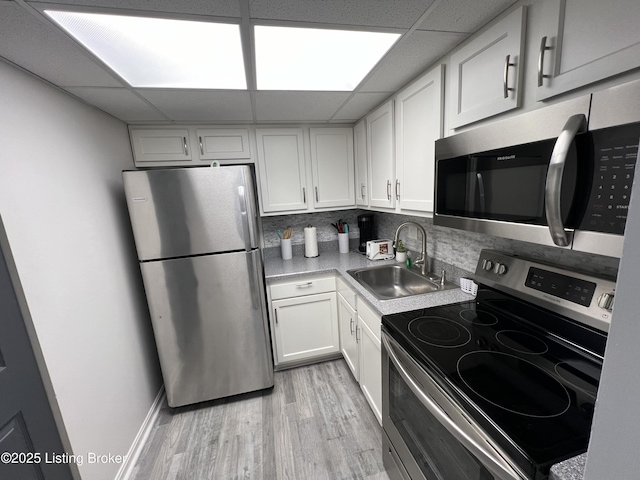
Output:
(388, 282)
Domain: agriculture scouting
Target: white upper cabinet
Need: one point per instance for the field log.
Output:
(585, 41)
(381, 161)
(223, 143)
(164, 146)
(281, 169)
(485, 77)
(189, 146)
(333, 167)
(292, 181)
(360, 151)
(418, 110)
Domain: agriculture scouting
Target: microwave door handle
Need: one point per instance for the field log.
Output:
(494, 463)
(480, 191)
(553, 185)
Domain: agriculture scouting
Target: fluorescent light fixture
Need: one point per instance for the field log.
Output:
(161, 53)
(316, 59)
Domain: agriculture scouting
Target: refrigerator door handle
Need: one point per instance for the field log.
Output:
(245, 218)
(253, 280)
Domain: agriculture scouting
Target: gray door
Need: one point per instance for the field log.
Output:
(209, 321)
(191, 211)
(28, 432)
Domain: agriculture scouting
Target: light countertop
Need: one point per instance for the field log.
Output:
(277, 269)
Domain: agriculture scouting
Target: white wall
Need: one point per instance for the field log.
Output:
(615, 434)
(62, 202)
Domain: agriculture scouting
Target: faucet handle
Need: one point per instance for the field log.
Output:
(443, 277)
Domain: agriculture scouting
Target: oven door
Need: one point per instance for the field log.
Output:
(430, 436)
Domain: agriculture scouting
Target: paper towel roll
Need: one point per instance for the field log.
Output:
(310, 242)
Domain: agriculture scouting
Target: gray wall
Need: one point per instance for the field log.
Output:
(62, 202)
(615, 435)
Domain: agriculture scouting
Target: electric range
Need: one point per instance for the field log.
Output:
(520, 363)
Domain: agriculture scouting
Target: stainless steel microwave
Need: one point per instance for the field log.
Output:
(559, 176)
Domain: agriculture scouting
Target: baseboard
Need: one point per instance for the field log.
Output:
(141, 438)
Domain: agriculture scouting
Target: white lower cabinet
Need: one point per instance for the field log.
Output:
(304, 320)
(360, 344)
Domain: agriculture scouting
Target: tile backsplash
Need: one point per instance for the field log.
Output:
(462, 249)
(445, 246)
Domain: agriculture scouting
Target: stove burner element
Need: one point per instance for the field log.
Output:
(580, 374)
(513, 384)
(439, 332)
(479, 317)
(522, 342)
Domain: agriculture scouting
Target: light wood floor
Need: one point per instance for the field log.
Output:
(314, 424)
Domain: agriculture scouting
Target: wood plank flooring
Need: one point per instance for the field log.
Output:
(314, 424)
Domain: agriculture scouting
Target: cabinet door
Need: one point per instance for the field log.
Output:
(418, 126)
(370, 368)
(360, 150)
(382, 168)
(348, 320)
(223, 143)
(586, 41)
(333, 167)
(160, 145)
(305, 327)
(282, 169)
(486, 73)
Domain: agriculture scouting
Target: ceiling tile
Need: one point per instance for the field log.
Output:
(119, 102)
(201, 105)
(464, 15)
(221, 8)
(298, 106)
(380, 13)
(46, 51)
(418, 51)
(359, 105)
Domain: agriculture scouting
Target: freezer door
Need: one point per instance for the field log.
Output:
(191, 211)
(210, 324)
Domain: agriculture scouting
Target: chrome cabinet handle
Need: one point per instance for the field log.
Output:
(316, 194)
(490, 455)
(362, 190)
(275, 314)
(505, 80)
(543, 48)
(351, 325)
(304, 195)
(184, 143)
(388, 189)
(397, 189)
(303, 285)
(201, 146)
(553, 184)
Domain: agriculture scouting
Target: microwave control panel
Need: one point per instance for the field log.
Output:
(615, 152)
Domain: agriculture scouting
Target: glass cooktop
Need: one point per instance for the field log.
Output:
(508, 363)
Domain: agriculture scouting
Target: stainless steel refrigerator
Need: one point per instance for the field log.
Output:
(196, 235)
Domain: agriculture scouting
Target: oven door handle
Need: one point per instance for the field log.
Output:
(490, 455)
(553, 185)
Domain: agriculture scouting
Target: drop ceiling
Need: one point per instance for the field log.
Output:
(429, 29)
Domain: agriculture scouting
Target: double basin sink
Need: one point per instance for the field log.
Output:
(388, 282)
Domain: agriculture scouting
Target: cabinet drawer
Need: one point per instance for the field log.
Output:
(303, 286)
(368, 316)
(346, 292)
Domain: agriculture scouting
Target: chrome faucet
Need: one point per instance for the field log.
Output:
(422, 260)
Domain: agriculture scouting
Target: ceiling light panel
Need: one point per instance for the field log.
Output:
(161, 53)
(316, 59)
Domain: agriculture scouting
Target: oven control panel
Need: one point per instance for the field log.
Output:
(582, 297)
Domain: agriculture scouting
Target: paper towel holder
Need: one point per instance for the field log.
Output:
(310, 242)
